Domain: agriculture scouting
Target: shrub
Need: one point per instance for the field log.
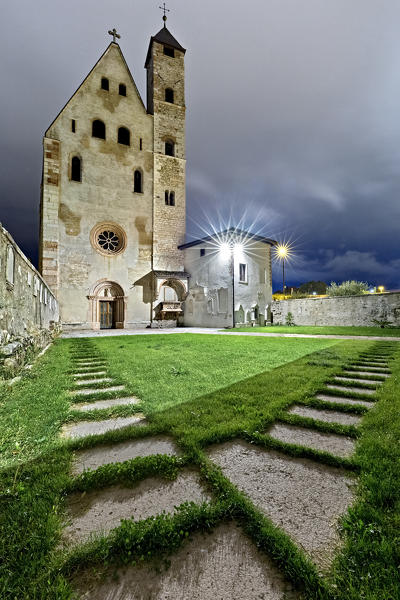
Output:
(289, 319)
(347, 288)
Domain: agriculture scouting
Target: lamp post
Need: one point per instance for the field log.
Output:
(228, 250)
(282, 252)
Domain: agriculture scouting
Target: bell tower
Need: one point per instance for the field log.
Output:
(166, 102)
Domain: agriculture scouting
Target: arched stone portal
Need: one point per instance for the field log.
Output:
(107, 305)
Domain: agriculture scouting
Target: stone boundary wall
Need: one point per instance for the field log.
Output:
(340, 310)
(29, 315)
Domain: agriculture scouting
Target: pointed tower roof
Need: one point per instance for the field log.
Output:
(164, 36)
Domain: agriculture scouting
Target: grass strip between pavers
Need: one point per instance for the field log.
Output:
(35, 476)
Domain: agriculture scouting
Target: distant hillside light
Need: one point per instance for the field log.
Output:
(381, 289)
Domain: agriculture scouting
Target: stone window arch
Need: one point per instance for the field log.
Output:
(76, 169)
(124, 136)
(98, 129)
(138, 181)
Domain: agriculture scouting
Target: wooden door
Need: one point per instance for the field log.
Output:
(106, 314)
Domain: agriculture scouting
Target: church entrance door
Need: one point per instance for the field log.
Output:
(106, 314)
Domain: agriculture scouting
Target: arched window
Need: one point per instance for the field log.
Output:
(124, 136)
(76, 173)
(137, 182)
(169, 95)
(169, 198)
(98, 129)
(122, 89)
(105, 84)
(169, 148)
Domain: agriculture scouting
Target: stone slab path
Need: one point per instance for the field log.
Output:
(328, 416)
(85, 428)
(223, 565)
(326, 442)
(99, 404)
(302, 496)
(98, 456)
(88, 333)
(99, 511)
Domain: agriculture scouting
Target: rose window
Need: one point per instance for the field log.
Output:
(109, 241)
(108, 238)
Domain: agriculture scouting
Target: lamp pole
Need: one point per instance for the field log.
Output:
(282, 252)
(233, 285)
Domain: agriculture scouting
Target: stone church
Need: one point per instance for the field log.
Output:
(113, 209)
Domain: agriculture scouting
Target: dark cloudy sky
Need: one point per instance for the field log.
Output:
(293, 122)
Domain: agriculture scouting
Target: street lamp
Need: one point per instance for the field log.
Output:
(282, 252)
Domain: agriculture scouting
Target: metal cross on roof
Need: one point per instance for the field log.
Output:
(114, 33)
(165, 11)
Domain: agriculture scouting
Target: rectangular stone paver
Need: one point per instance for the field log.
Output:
(223, 565)
(86, 374)
(356, 380)
(369, 373)
(86, 392)
(92, 458)
(351, 390)
(99, 404)
(85, 428)
(328, 416)
(344, 400)
(100, 511)
(338, 445)
(303, 497)
(96, 380)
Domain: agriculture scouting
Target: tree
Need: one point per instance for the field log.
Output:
(313, 286)
(347, 288)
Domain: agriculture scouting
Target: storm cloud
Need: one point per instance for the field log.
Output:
(293, 126)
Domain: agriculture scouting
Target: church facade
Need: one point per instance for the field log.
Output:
(113, 209)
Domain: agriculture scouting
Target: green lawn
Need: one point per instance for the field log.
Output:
(331, 330)
(200, 389)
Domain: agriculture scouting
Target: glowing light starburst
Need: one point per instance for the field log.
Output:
(283, 251)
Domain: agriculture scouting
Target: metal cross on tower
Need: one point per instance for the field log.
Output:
(114, 33)
(165, 11)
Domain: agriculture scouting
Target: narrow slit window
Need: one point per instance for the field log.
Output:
(76, 170)
(98, 129)
(124, 136)
(138, 182)
(169, 148)
(169, 51)
(105, 84)
(242, 273)
(202, 251)
(122, 89)
(169, 95)
(73, 125)
(140, 144)
(169, 198)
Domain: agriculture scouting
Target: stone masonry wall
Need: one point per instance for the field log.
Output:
(29, 315)
(340, 310)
